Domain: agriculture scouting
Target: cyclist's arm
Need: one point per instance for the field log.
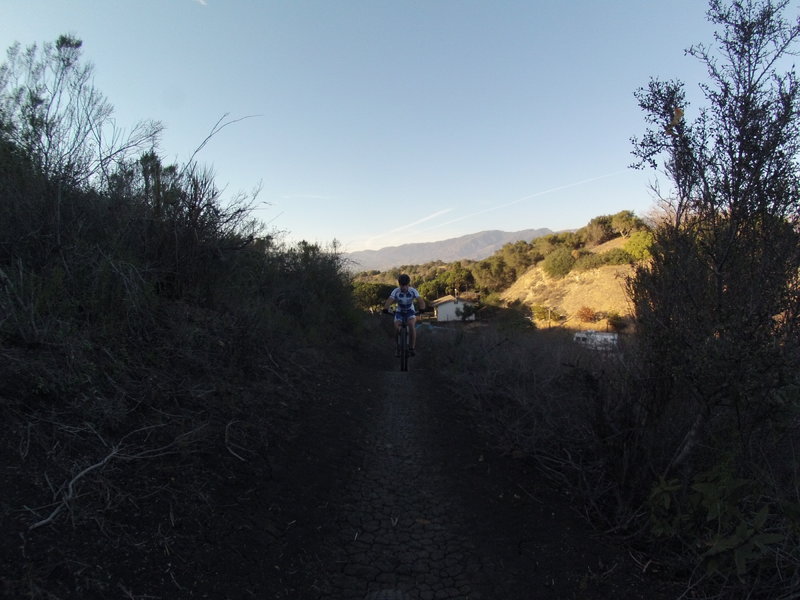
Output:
(420, 301)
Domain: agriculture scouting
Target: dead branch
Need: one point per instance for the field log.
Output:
(218, 126)
(228, 443)
(70, 493)
(118, 451)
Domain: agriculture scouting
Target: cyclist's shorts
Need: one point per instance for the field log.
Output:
(410, 314)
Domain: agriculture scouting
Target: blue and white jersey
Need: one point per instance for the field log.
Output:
(405, 300)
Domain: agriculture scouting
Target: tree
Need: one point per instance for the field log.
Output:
(598, 230)
(493, 274)
(368, 295)
(625, 222)
(717, 306)
(517, 255)
(51, 110)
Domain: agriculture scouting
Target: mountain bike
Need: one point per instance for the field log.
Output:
(403, 337)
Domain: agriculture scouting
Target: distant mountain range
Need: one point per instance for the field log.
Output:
(475, 246)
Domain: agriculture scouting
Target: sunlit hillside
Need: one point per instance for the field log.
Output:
(601, 289)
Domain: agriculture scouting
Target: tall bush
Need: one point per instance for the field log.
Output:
(51, 111)
(146, 323)
(717, 305)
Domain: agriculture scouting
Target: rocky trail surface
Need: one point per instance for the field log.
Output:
(391, 493)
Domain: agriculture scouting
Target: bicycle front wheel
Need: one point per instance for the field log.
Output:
(404, 348)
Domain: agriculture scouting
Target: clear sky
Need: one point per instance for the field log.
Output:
(383, 122)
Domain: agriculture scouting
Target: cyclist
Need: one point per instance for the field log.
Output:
(404, 296)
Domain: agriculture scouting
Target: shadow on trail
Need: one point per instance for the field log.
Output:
(411, 503)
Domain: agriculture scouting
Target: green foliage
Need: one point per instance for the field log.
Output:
(625, 222)
(142, 315)
(444, 281)
(617, 256)
(467, 310)
(504, 267)
(726, 241)
(547, 313)
(598, 230)
(371, 295)
(493, 273)
(639, 244)
(492, 299)
(716, 301)
(722, 513)
(558, 263)
(86, 255)
(567, 239)
(589, 261)
(616, 321)
(518, 256)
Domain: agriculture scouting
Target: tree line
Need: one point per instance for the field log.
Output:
(556, 253)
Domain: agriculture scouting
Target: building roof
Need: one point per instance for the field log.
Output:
(465, 298)
(444, 300)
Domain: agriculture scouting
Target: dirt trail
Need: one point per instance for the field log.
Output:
(401, 528)
(403, 496)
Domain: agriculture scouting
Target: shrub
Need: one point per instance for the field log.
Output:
(545, 313)
(588, 262)
(616, 321)
(586, 314)
(639, 245)
(558, 263)
(368, 295)
(617, 256)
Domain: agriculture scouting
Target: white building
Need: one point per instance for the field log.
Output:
(450, 308)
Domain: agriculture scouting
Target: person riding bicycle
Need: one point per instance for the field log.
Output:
(404, 296)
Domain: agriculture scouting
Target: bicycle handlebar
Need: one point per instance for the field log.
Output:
(391, 311)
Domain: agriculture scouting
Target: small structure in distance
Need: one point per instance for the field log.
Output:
(451, 308)
(596, 340)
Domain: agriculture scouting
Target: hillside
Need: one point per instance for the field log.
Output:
(475, 246)
(602, 289)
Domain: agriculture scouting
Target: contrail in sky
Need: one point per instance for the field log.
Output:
(422, 220)
(536, 195)
(438, 213)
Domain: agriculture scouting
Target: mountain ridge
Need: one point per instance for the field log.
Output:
(474, 246)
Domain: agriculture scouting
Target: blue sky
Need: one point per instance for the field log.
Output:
(383, 122)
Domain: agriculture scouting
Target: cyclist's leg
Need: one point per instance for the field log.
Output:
(412, 333)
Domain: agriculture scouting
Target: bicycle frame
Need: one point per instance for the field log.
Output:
(402, 340)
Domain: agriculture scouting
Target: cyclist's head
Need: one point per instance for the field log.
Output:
(404, 279)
